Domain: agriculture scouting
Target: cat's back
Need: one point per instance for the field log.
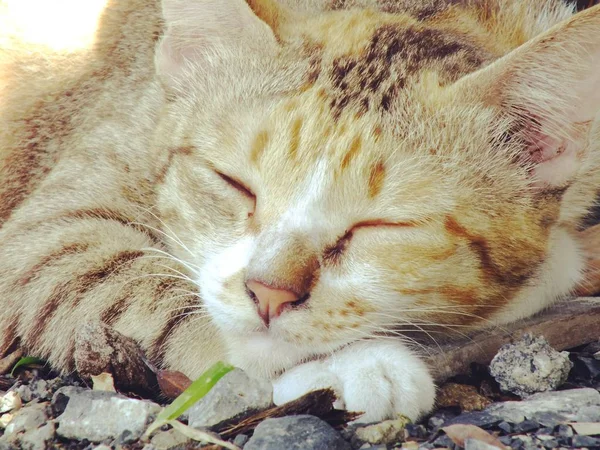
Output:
(71, 94)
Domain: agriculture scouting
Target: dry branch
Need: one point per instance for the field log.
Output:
(566, 325)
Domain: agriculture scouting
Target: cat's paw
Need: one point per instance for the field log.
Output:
(379, 378)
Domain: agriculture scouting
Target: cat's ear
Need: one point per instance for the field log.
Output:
(195, 28)
(549, 88)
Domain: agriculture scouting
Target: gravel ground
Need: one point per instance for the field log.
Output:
(64, 413)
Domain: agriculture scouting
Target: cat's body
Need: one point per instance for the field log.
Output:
(327, 171)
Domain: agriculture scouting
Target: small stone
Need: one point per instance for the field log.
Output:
(435, 423)
(480, 419)
(301, 432)
(526, 426)
(28, 418)
(5, 420)
(464, 396)
(550, 419)
(25, 393)
(384, 432)
(550, 443)
(98, 415)
(544, 431)
(102, 447)
(573, 405)
(586, 428)
(38, 438)
(444, 441)
(506, 440)
(585, 441)
(10, 401)
(505, 426)
(415, 431)
(530, 365)
(474, 444)
(240, 440)
(597, 355)
(39, 389)
(234, 394)
(564, 431)
(524, 440)
(166, 440)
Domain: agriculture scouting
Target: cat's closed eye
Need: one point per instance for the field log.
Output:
(334, 252)
(241, 188)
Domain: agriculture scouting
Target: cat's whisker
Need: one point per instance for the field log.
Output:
(172, 236)
(164, 255)
(157, 230)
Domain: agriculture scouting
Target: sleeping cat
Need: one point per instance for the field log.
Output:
(290, 185)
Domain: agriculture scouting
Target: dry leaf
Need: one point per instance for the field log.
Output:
(201, 436)
(459, 433)
(586, 428)
(103, 382)
(172, 383)
(10, 401)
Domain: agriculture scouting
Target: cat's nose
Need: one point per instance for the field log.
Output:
(269, 300)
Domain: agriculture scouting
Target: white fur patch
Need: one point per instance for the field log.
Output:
(381, 378)
(215, 271)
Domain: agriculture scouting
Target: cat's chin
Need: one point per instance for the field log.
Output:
(261, 354)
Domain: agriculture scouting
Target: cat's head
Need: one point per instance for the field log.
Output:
(338, 176)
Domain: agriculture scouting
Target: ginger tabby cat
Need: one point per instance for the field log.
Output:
(289, 185)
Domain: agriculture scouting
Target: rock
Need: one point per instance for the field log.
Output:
(481, 419)
(575, 405)
(166, 440)
(10, 401)
(28, 418)
(474, 444)
(234, 394)
(384, 432)
(586, 428)
(240, 440)
(530, 365)
(585, 441)
(526, 426)
(296, 433)
(564, 431)
(25, 393)
(37, 439)
(102, 447)
(98, 415)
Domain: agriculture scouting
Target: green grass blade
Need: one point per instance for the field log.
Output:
(198, 389)
(26, 361)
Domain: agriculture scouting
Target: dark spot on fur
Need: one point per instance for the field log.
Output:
(374, 79)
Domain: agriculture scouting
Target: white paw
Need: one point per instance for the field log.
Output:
(380, 378)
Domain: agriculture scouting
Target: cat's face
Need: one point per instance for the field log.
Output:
(410, 212)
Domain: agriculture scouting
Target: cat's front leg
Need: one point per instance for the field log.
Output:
(380, 378)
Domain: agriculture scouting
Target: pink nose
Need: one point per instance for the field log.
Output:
(270, 301)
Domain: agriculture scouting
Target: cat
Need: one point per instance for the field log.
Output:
(289, 186)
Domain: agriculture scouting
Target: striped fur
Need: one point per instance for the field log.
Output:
(378, 157)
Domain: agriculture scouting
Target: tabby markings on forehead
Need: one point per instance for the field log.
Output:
(374, 78)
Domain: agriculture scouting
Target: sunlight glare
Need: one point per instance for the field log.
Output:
(62, 25)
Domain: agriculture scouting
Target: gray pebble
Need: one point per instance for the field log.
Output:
(296, 433)
(37, 439)
(240, 440)
(97, 416)
(585, 441)
(474, 444)
(234, 394)
(530, 365)
(573, 405)
(28, 418)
